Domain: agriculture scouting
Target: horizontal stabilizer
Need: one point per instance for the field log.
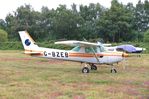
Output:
(33, 53)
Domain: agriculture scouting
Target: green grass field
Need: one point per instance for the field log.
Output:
(25, 77)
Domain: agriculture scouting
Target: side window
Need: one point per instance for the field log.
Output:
(90, 50)
(77, 49)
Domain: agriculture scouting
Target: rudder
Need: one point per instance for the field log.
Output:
(27, 41)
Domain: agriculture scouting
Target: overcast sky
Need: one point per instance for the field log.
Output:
(8, 6)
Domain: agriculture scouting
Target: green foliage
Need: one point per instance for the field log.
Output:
(146, 36)
(11, 46)
(141, 19)
(19, 46)
(116, 24)
(3, 36)
(2, 24)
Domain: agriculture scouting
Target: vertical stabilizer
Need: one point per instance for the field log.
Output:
(27, 41)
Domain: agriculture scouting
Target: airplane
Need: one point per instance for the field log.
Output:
(84, 52)
(126, 48)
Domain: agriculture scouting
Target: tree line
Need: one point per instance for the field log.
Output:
(115, 24)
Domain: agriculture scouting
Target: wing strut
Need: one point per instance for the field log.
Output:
(95, 54)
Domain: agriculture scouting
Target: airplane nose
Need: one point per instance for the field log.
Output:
(125, 55)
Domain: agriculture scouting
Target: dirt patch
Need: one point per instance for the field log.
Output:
(146, 84)
(50, 61)
(54, 95)
(144, 97)
(125, 89)
(81, 86)
(79, 97)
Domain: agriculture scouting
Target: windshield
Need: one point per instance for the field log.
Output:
(101, 48)
(77, 49)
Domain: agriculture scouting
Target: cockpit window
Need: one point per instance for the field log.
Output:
(91, 49)
(77, 49)
(100, 49)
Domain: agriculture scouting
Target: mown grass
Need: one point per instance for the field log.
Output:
(25, 77)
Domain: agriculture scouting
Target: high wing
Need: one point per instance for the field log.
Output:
(82, 44)
(78, 43)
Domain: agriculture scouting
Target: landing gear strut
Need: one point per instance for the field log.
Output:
(113, 69)
(93, 66)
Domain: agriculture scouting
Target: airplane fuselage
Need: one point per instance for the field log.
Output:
(69, 55)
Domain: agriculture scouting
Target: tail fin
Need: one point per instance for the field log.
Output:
(27, 41)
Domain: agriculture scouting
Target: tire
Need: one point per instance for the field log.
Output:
(93, 67)
(113, 70)
(85, 70)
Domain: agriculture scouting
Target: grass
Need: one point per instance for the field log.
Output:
(25, 77)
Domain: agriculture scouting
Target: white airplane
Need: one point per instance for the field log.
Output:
(83, 52)
(126, 48)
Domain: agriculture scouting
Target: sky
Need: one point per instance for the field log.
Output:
(8, 6)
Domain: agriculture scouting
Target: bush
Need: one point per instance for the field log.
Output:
(3, 36)
(11, 46)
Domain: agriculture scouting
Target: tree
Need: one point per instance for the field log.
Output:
(90, 14)
(142, 16)
(115, 24)
(65, 23)
(146, 36)
(118, 23)
(3, 36)
(2, 24)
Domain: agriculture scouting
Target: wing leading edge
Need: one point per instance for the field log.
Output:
(77, 43)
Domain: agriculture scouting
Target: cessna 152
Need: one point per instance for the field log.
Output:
(83, 52)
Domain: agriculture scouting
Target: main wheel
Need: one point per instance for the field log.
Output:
(85, 70)
(113, 70)
(93, 67)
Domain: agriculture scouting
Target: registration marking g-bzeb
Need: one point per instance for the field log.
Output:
(56, 54)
